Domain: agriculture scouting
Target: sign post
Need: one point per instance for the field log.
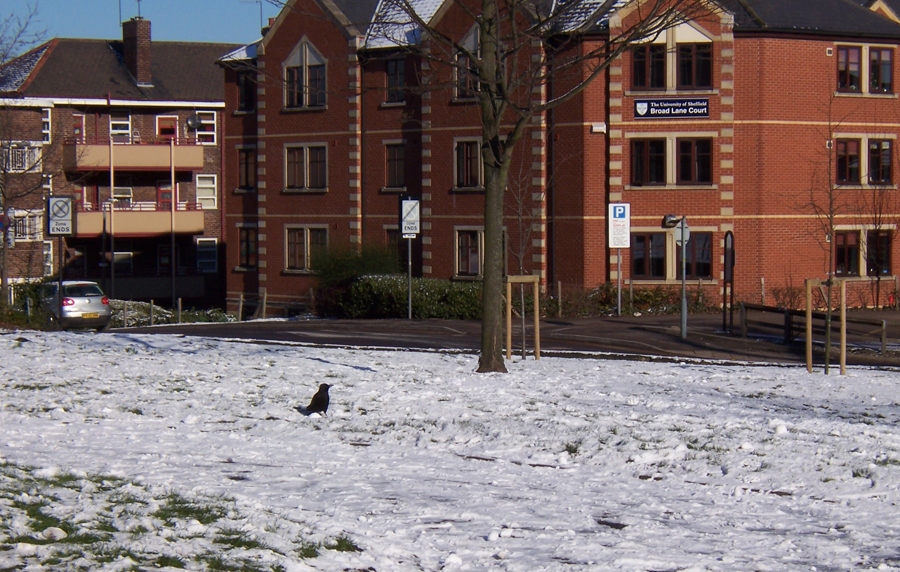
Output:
(409, 229)
(60, 223)
(619, 238)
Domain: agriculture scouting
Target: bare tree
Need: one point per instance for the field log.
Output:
(829, 200)
(21, 161)
(523, 46)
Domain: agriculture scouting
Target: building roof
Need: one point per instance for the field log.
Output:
(94, 69)
(849, 18)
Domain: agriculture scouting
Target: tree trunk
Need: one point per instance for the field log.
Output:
(491, 359)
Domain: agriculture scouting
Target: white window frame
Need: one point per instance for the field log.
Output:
(116, 129)
(305, 147)
(46, 125)
(206, 127)
(28, 225)
(48, 258)
(21, 156)
(207, 244)
(208, 199)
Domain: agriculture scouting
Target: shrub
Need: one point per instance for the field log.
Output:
(337, 271)
(380, 297)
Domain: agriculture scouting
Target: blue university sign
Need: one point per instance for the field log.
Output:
(671, 108)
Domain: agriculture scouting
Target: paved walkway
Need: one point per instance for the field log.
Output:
(631, 336)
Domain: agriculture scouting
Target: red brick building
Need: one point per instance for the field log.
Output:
(774, 121)
(77, 114)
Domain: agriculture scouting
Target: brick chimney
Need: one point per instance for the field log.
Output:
(136, 43)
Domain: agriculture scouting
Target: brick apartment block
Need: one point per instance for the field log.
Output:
(759, 119)
(161, 104)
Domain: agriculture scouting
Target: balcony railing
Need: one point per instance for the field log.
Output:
(133, 152)
(138, 218)
(137, 206)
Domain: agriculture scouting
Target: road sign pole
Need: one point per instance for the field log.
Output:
(619, 288)
(684, 239)
(409, 277)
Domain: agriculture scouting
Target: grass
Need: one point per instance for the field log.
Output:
(112, 521)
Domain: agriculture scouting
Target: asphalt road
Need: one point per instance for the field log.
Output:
(627, 336)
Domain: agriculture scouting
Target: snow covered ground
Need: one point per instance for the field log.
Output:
(561, 464)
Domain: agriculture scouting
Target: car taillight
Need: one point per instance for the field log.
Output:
(68, 302)
(104, 301)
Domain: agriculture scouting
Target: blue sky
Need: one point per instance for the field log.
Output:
(232, 21)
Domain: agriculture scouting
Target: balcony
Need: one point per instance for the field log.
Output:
(132, 154)
(137, 219)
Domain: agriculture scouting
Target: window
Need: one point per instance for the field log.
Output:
(395, 166)
(468, 252)
(847, 162)
(880, 70)
(304, 78)
(167, 127)
(849, 68)
(396, 84)
(306, 168)
(697, 256)
(648, 67)
(45, 125)
(468, 165)
(48, 258)
(206, 127)
(207, 255)
(28, 225)
(846, 253)
(123, 192)
(878, 253)
(648, 256)
(246, 84)
(207, 197)
(466, 70)
(304, 245)
(249, 247)
(20, 157)
(880, 158)
(120, 128)
(648, 162)
(247, 169)
(694, 66)
(694, 161)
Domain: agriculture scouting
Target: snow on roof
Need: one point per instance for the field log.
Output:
(243, 53)
(15, 72)
(393, 26)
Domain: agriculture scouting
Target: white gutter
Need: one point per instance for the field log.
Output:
(51, 102)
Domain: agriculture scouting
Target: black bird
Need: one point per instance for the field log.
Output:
(318, 403)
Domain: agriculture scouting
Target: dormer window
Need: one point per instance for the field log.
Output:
(304, 78)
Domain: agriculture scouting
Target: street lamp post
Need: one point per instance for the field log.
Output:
(682, 235)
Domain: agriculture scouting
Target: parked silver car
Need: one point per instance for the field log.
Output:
(83, 305)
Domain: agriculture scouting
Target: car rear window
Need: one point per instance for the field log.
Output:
(83, 290)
